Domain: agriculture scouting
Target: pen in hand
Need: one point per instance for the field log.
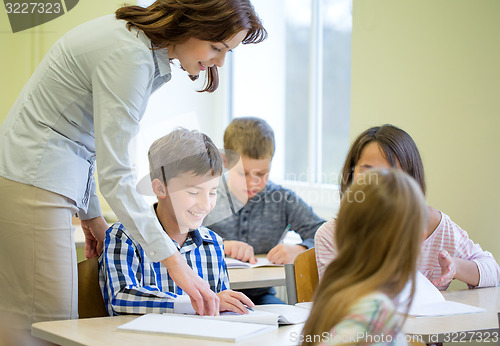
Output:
(284, 234)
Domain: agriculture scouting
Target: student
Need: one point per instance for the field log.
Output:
(259, 209)
(80, 110)
(185, 167)
(379, 231)
(447, 252)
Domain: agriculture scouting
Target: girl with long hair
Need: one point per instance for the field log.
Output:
(379, 231)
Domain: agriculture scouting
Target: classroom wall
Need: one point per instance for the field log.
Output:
(23, 51)
(433, 69)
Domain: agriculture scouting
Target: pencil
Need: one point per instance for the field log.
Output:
(284, 234)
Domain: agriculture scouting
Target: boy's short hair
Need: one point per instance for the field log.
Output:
(249, 136)
(183, 151)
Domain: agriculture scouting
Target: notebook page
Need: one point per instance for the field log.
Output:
(187, 326)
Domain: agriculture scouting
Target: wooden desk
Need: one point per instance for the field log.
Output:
(458, 328)
(256, 277)
(102, 331)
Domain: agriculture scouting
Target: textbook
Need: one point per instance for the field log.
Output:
(266, 314)
(193, 327)
(428, 301)
(261, 262)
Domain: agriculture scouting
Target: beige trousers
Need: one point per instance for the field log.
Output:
(38, 275)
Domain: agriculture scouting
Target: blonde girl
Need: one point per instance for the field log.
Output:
(379, 231)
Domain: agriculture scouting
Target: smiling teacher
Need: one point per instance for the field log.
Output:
(80, 109)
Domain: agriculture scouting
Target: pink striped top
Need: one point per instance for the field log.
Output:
(448, 236)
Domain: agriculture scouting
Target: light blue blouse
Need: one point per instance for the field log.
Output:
(83, 105)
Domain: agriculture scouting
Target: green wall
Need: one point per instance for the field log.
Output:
(22, 51)
(433, 68)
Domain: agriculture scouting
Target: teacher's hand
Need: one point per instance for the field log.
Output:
(203, 299)
(94, 230)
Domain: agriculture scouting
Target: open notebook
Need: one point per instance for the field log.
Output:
(266, 314)
(428, 301)
(261, 262)
(192, 327)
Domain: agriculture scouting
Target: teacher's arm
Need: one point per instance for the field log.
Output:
(121, 86)
(93, 224)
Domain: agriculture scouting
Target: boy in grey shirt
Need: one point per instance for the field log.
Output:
(259, 210)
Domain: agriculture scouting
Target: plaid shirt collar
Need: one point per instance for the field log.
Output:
(195, 238)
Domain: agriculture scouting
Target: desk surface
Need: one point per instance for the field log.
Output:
(103, 331)
(461, 327)
(256, 277)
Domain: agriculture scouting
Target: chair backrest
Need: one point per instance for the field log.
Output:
(302, 277)
(90, 301)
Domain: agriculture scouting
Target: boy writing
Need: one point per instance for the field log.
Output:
(259, 209)
(185, 167)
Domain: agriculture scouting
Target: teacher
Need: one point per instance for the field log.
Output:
(80, 110)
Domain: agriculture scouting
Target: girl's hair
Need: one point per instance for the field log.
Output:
(378, 235)
(173, 22)
(398, 147)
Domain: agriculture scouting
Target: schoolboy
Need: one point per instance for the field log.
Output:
(259, 209)
(185, 167)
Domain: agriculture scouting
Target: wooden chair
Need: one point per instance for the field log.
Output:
(302, 277)
(90, 301)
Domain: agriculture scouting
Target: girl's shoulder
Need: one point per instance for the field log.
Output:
(373, 315)
(377, 303)
(326, 229)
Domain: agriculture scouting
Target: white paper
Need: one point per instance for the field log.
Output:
(428, 301)
(266, 314)
(305, 305)
(185, 325)
(183, 305)
(261, 262)
(288, 314)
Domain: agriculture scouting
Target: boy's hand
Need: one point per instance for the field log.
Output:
(95, 231)
(283, 254)
(239, 250)
(234, 301)
(448, 269)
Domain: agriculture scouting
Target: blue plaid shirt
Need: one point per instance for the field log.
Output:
(131, 283)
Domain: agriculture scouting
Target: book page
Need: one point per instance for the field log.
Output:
(428, 301)
(265, 314)
(288, 314)
(261, 262)
(190, 326)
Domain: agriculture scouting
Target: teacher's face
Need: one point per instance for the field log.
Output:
(197, 55)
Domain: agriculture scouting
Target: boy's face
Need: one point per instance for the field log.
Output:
(192, 197)
(249, 177)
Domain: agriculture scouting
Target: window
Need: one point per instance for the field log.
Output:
(299, 81)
